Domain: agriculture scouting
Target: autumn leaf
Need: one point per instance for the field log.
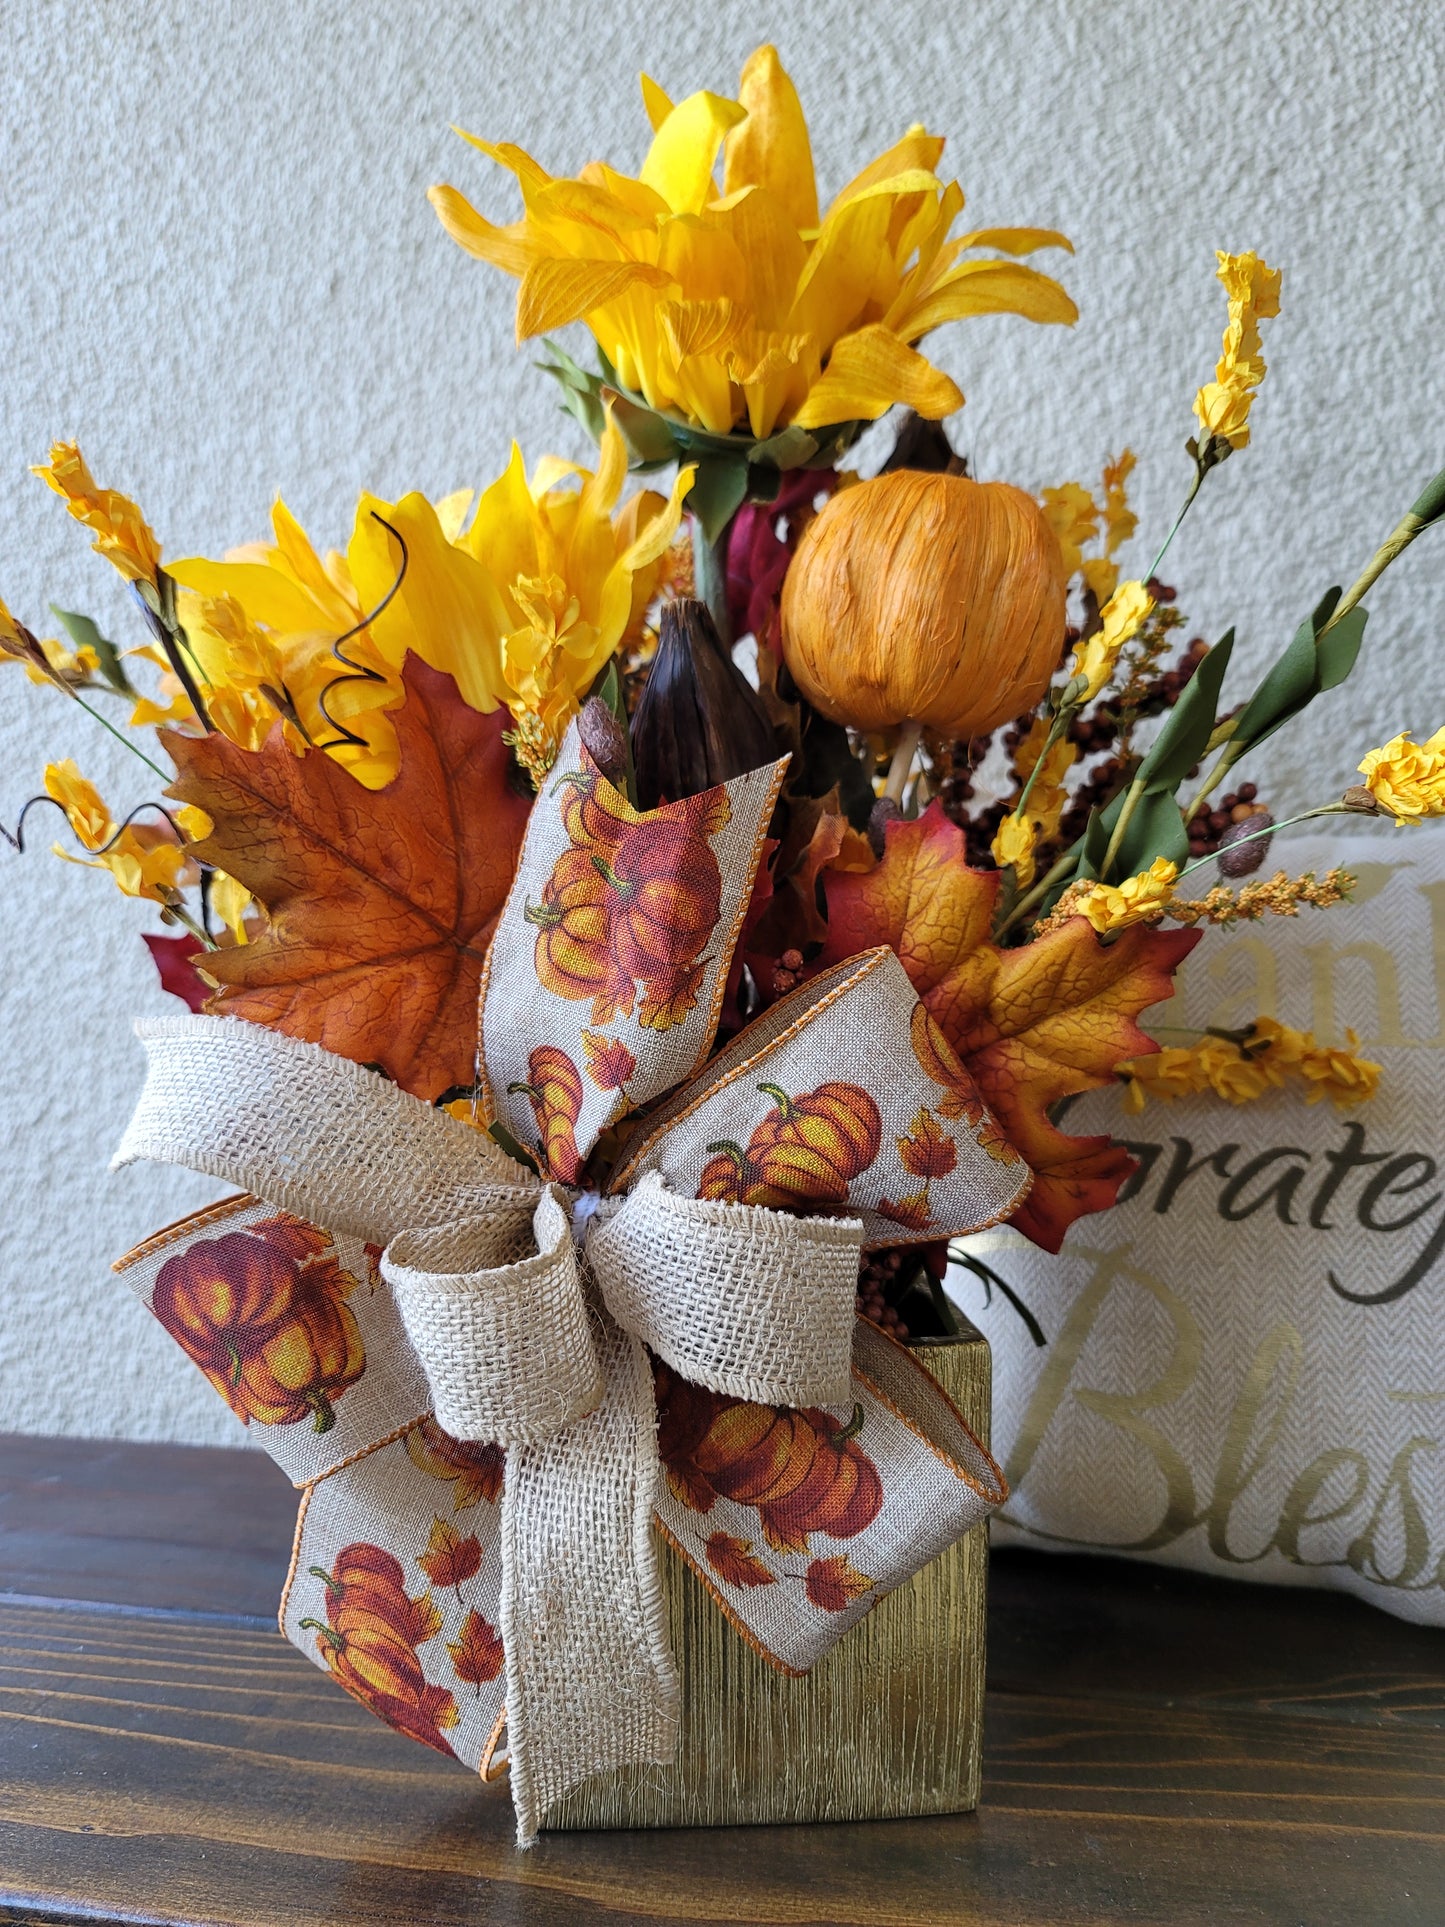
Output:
(733, 1560)
(927, 1152)
(833, 1584)
(478, 1655)
(1033, 1025)
(172, 959)
(381, 903)
(911, 1212)
(609, 1062)
(450, 1559)
(476, 1471)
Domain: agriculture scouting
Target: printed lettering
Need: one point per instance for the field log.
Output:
(1383, 1185)
(1235, 1207)
(1351, 1157)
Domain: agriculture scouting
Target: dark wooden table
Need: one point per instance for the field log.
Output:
(1159, 1748)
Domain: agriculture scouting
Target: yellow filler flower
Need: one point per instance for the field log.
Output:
(1120, 619)
(1138, 899)
(145, 862)
(122, 534)
(740, 305)
(1408, 779)
(1223, 404)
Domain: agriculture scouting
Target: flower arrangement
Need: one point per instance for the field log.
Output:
(500, 749)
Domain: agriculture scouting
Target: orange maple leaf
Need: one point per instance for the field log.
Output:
(381, 903)
(478, 1655)
(734, 1561)
(450, 1559)
(833, 1584)
(1033, 1025)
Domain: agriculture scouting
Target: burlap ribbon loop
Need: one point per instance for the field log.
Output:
(736, 1297)
(495, 1309)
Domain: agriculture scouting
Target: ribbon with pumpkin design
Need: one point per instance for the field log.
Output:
(518, 1338)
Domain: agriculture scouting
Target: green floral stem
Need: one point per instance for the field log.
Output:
(1428, 508)
(709, 572)
(1036, 895)
(1200, 471)
(155, 768)
(1325, 809)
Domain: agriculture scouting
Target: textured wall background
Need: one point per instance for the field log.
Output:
(220, 273)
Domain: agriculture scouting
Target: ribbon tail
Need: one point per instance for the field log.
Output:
(591, 1683)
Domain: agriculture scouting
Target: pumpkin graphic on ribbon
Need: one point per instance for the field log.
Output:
(807, 1150)
(263, 1312)
(369, 1640)
(802, 1469)
(631, 902)
(554, 1091)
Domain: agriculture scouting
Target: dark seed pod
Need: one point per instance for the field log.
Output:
(883, 812)
(700, 721)
(1235, 857)
(604, 740)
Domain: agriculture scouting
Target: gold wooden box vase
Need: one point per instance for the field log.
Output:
(889, 1722)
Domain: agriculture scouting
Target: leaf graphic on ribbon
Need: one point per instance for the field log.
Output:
(833, 1584)
(450, 1559)
(735, 1563)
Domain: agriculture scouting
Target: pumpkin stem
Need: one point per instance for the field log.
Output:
(725, 1147)
(901, 768)
(324, 1417)
(524, 1090)
(580, 779)
(614, 882)
(546, 916)
(328, 1633)
(851, 1429)
(779, 1096)
(329, 1580)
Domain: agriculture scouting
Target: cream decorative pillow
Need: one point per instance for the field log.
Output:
(1245, 1361)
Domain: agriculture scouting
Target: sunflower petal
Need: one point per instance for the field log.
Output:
(555, 292)
(771, 149)
(658, 104)
(684, 151)
(512, 249)
(869, 371)
(1015, 240)
(987, 287)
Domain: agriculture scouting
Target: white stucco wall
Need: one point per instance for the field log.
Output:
(218, 270)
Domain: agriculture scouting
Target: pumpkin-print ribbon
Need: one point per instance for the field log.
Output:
(810, 1463)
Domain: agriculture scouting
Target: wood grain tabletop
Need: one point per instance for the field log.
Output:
(1158, 1748)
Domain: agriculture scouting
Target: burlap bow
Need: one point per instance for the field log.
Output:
(531, 1306)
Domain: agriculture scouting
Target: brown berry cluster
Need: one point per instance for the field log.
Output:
(879, 1280)
(787, 972)
(1210, 827)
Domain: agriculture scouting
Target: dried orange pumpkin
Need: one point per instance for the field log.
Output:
(925, 599)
